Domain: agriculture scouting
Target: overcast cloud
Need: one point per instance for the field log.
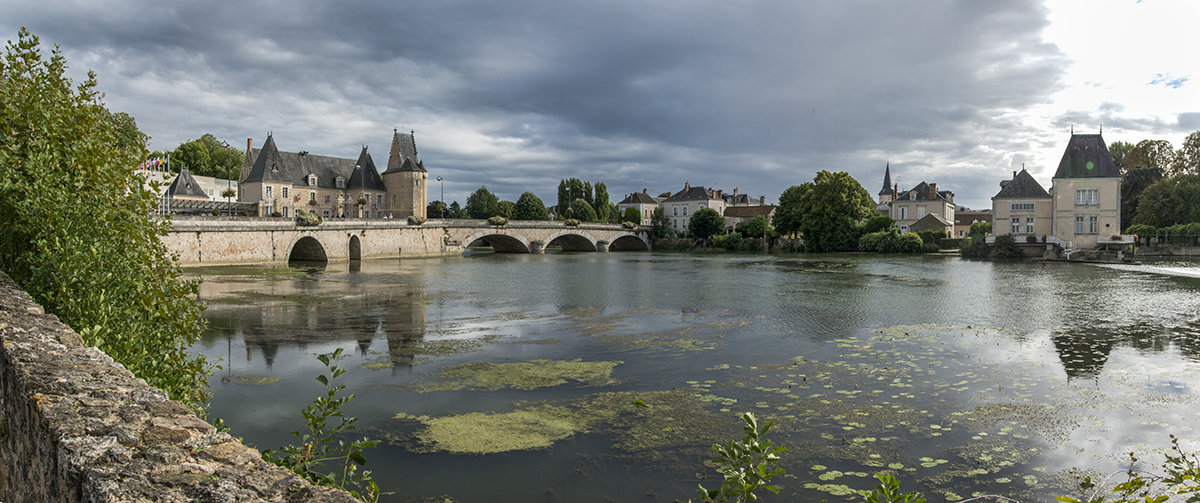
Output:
(518, 94)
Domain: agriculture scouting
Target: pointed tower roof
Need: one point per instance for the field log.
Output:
(403, 156)
(1087, 156)
(269, 164)
(1021, 186)
(185, 185)
(887, 179)
(365, 175)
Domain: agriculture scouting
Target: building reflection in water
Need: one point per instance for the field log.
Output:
(1084, 350)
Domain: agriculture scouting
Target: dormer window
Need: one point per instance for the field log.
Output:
(312, 180)
(912, 196)
(341, 182)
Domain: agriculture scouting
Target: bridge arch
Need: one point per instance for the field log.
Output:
(501, 243)
(629, 242)
(355, 248)
(571, 240)
(307, 249)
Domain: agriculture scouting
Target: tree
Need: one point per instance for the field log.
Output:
(1170, 201)
(455, 211)
(78, 235)
(482, 204)
(980, 228)
(787, 215)
(436, 209)
(1134, 181)
(1150, 154)
(659, 224)
(878, 223)
(600, 202)
(581, 210)
(632, 215)
(569, 189)
(207, 156)
(1187, 159)
(833, 212)
(756, 227)
(706, 223)
(1118, 150)
(530, 207)
(129, 137)
(506, 209)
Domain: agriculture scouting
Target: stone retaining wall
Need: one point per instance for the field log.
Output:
(76, 426)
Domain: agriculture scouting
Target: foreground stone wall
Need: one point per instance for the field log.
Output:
(76, 426)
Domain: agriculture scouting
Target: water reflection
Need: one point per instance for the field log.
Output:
(1084, 350)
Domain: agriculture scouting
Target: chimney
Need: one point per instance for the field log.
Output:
(713, 192)
(933, 191)
(895, 191)
(249, 143)
(735, 192)
(644, 190)
(687, 186)
(762, 200)
(1014, 174)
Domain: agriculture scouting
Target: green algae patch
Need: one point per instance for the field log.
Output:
(529, 375)
(248, 380)
(645, 425)
(480, 433)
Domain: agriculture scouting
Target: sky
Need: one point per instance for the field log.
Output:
(753, 95)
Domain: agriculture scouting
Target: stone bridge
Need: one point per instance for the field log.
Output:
(224, 240)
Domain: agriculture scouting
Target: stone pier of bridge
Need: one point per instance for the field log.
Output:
(239, 240)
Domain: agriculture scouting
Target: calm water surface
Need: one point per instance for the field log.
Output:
(962, 377)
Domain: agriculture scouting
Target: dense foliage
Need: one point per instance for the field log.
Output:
(756, 227)
(632, 215)
(482, 204)
(832, 212)
(307, 218)
(660, 225)
(1005, 246)
(580, 209)
(1170, 201)
(77, 229)
(1134, 182)
(207, 156)
(787, 215)
(437, 209)
(706, 223)
(573, 189)
(980, 228)
(879, 223)
(506, 209)
(891, 241)
(530, 207)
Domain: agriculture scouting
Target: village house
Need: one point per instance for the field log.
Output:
(332, 187)
(1022, 207)
(735, 215)
(1082, 209)
(922, 208)
(643, 202)
(963, 218)
(680, 207)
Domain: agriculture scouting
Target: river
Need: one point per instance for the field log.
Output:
(606, 377)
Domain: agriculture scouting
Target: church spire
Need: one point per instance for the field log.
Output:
(887, 179)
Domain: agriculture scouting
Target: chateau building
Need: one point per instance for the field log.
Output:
(332, 187)
(643, 202)
(921, 208)
(1022, 207)
(680, 207)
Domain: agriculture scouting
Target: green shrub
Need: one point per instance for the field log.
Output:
(1006, 247)
(747, 466)
(631, 215)
(1143, 230)
(934, 237)
(980, 228)
(582, 210)
(571, 222)
(730, 242)
(497, 220)
(974, 247)
(951, 243)
(307, 218)
(930, 248)
(416, 220)
(871, 242)
(78, 233)
(903, 243)
(879, 223)
(627, 225)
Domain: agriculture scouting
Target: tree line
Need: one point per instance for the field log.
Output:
(1160, 185)
(577, 199)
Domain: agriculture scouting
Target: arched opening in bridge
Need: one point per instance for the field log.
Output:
(355, 248)
(307, 249)
(572, 243)
(628, 243)
(499, 243)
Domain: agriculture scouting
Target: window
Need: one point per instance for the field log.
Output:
(379, 199)
(312, 196)
(1022, 207)
(1094, 224)
(325, 214)
(268, 192)
(903, 213)
(284, 193)
(1087, 197)
(685, 211)
(1029, 225)
(675, 210)
(675, 223)
(285, 211)
(912, 196)
(1016, 225)
(920, 212)
(341, 182)
(1079, 224)
(312, 180)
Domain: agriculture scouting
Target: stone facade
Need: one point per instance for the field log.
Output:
(78, 427)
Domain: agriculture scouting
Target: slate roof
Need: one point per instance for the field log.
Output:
(749, 211)
(969, 217)
(1022, 186)
(690, 193)
(930, 221)
(922, 191)
(403, 155)
(1087, 156)
(185, 185)
(272, 165)
(365, 175)
(887, 180)
(639, 198)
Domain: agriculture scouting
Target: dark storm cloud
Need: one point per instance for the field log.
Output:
(518, 94)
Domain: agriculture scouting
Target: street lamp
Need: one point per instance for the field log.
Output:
(442, 206)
